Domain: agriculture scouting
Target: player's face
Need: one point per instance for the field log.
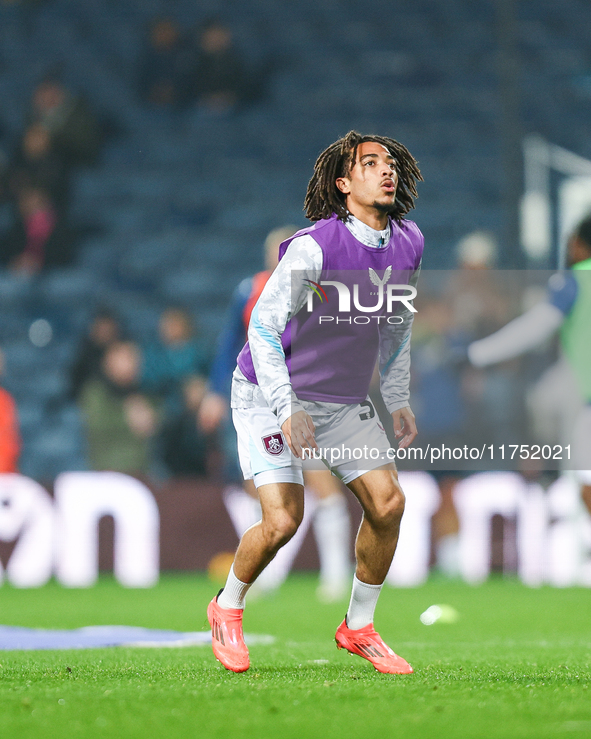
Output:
(577, 251)
(373, 179)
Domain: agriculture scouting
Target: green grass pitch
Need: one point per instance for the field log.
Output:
(516, 664)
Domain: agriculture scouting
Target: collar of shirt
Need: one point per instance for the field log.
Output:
(367, 235)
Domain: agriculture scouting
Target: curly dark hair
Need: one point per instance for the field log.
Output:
(323, 198)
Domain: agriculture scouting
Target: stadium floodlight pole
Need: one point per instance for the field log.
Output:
(567, 162)
(541, 158)
(510, 125)
(536, 217)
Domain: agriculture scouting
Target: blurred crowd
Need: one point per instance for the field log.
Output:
(179, 68)
(139, 402)
(61, 134)
(200, 66)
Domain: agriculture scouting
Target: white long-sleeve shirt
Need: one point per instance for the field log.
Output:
(282, 298)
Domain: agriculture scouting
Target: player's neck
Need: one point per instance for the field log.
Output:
(370, 216)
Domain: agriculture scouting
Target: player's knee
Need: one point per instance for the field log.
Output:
(281, 527)
(388, 511)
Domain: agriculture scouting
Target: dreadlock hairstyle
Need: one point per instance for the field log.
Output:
(323, 198)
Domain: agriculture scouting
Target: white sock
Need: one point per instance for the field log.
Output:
(364, 598)
(234, 592)
(332, 531)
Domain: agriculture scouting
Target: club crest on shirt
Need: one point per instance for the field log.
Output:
(273, 443)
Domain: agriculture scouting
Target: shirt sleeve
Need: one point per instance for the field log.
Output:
(394, 360)
(562, 291)
(282, 297)
(230, 342)
(518, 337)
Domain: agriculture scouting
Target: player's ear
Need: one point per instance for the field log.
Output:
(344, 185)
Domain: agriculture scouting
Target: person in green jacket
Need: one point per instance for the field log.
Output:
(567, 309)
(120, 420)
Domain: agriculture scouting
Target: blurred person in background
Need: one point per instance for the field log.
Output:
(161, 79)
(481, 300)
(37, 188)
(176, 356)
(105, 328)
(453, 401)
(477, 299)
(326, 502)
(10, 441)
(174, 369)
(218, 77)
(37, 239)
(120, 420)
(441, 411)
(566, 309)
(75, 131)
(184, 447)
(436, 382)
(37, 165)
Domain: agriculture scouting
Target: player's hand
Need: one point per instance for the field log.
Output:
(299, 432)
(212, 411)
(140, 416)
(405, 427)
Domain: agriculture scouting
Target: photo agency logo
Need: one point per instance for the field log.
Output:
(385, 299)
